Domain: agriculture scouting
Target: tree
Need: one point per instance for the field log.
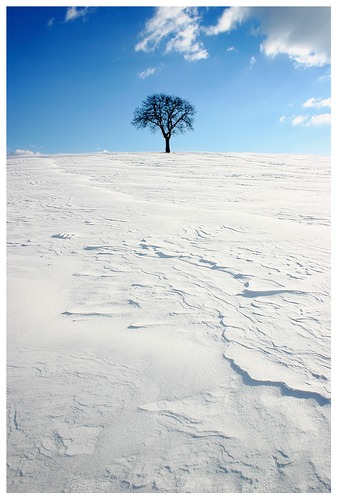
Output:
(169, 113)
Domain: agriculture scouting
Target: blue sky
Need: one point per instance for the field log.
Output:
(259, 78)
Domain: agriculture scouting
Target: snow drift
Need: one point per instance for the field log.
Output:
(168, 323)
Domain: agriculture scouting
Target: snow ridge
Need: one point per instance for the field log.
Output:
(285, 390)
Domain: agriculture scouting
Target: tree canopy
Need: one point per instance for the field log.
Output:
(169, 113)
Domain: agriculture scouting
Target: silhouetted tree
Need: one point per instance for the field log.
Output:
(169, 113)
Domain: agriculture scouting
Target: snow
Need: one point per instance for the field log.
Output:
(168, 323)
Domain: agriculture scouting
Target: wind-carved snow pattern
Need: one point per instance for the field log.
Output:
(169, 323)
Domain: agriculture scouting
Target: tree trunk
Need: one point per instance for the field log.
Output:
(167, 145)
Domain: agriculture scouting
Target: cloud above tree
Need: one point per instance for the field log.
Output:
(177, 30)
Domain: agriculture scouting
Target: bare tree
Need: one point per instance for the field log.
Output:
(169, 113)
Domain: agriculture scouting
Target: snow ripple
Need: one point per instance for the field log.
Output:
(169, 323)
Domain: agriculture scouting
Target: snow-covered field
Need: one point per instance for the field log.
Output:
(168, 323)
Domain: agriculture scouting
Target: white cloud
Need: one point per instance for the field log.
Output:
(76, 12)
(147, 72)
(231, 49)
(177, 28)
(317, 120)
(299, 120)
(229, 20)
(51, 22)
(311, 120)
(314, 120)
(196, 55)
(314, 102)
(24, 152)
(302, 33)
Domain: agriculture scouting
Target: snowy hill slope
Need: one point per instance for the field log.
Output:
(168, 323)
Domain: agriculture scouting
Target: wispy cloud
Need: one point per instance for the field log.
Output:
(76, 12)
(175, 28)
(147, 72)
(298, 120)
(229, 20)
(317, 120)
(314, 120)
(314, 102)
(252, 62)
(24, 152)
(310, 120)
